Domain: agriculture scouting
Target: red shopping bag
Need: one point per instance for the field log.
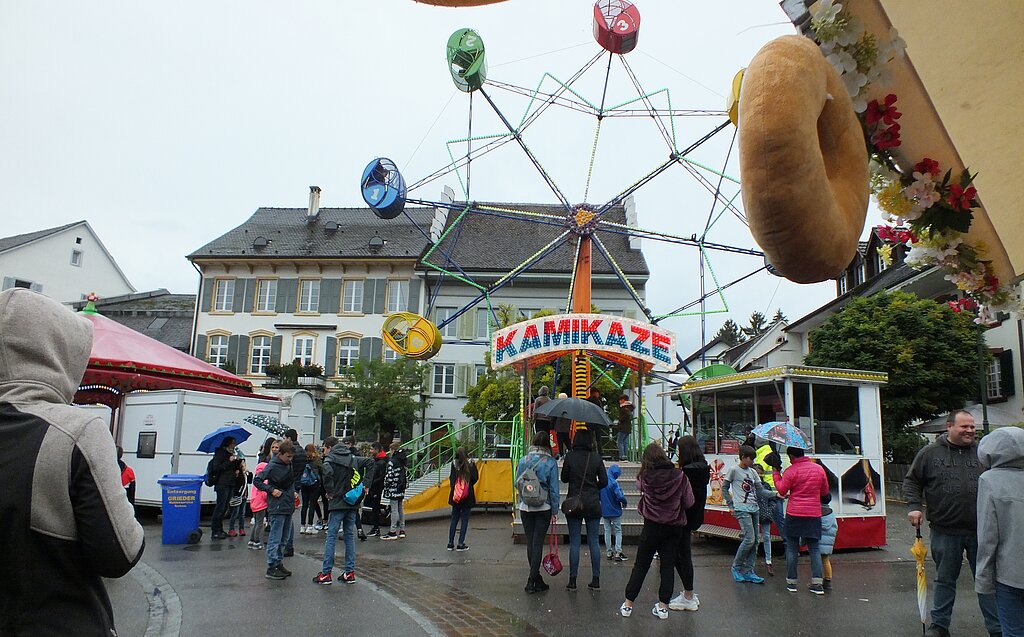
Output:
(552, 565)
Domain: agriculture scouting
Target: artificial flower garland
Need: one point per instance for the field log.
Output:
(928, 213)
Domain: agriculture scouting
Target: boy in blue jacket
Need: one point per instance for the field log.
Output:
(612, 501)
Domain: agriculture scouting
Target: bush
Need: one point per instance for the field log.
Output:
(312, 369)
(900, 447)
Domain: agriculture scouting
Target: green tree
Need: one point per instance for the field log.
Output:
(385, 397)
(495, 396)
(929, 352)
(779, 316)
(757, 326)
(730, 333)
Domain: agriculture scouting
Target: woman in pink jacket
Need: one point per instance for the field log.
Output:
(805, 483)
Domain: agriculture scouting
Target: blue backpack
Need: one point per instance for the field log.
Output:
(309, 477)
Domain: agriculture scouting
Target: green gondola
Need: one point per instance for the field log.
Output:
(466, 60)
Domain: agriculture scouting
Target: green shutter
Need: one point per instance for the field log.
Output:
(200, 350)
(331, 357)
(467, 325)
(1006, 373)
(630, 314)
(207, 295)
(376, 348)
(233, 352)
(365, 348)
(275, 350)
(239, 299)
(330, 296)
(462, 372)
(249, 293)
(379, 297)
(369, 287)
(414, 295)
(242, 361)
(286, 296)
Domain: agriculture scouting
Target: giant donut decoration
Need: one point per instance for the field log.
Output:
(803, 161)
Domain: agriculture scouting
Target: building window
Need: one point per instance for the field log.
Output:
(352, 302)
(858, 275)
(879, 263)
(479, 371)
(390, 355)
(348, 353)
(223, 295)
(441, 315)
(842, 284)
(398, 296)
(218, 350)
(309, 295)
(27, 285)
(444, 379)
(259, 355)
(994, 379)
(483, 317)
(304, 349)
(344, 420)
(76, 258)
(266, 295)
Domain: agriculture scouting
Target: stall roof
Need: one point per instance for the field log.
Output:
(786, 371)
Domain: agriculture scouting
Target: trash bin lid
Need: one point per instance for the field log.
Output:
(180, 479)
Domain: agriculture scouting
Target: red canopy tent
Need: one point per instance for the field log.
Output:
(123, 360)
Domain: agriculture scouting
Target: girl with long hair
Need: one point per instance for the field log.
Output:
(698, 473)
(537, 517)
(584, 472)
(310, 481)
(265, 452)
(461, 497)
(665, 495)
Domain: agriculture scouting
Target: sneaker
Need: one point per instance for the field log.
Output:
(826, 584)
(374, 533)
(461, 547)
(936, 631)
(362, 536)
(232, 533)
(323, 579)
(530, 587)
(401, 534)
(219, 536)
(659, 612)
(770, 569)
(625, 611)
(817, 589)
(595, 584)
(451, 547)
(737, 575)
(286, 572)
(302, 530)
(571, 586)
(540, 585)
(753, 578)
(348, 578)
(274, 573)
(792, 587)
(288, 552)
(679, 602)
(260, 546)
(389, 536)
(241, 532)
(610, 555)
(251, 544)
(621, 557)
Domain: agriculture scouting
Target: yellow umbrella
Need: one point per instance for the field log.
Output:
(920, 552)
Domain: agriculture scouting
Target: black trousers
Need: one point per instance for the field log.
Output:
(684, 561)
(563, 442)
(665, 540)
(221, 508)
(535, 527)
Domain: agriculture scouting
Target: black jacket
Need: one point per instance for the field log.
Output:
(947, 477)
(65, 521)
(699, 475)
(220, 468)
(277, 475)
(591, 484)
(338, 460)
(470, 498)
(396, 476)
(375, 476)
(299, 461)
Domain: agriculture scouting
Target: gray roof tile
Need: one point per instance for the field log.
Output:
(6, 243)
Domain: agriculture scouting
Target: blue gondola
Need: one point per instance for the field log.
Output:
(383, 188)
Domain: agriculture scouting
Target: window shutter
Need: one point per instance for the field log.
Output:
(414, 295)
(248, 294)
(242, 362)
(8, 283)
(238, 302)
(286, 296)
(376, 348)
(369, 287)
(330, 296)
(275, 350)
(467, 325)
(379, 296)
(1006, 373)
(200, 351)
(630, 314)
(462, 372)
(207, 300)
(331, 357)
(36, 287)
(233, 352)
(428, 379)
(365, 348)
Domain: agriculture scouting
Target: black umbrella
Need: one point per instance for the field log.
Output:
(576, 409)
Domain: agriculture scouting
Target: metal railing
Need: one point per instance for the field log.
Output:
(433, 451)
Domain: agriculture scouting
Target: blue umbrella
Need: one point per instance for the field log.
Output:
(212, 441)
(784, 433)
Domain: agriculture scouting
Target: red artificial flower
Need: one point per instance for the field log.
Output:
(991, 283)
(960, 198)
(927, 166)
(963, 305)
(886, 137)
(896, 235)
(885, 112)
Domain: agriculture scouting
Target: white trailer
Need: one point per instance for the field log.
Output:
(160, 431)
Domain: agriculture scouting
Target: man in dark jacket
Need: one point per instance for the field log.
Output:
(343, 471)
(277, 480)
(66, 521)
(541, 422)
(299, 461)
(946, 474)
(219, 472)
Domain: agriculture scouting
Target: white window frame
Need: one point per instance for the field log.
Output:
(266, 296)
(879, 263)
(479, 371)
(443, 379)
(343, 364)
(859, 273)
(843, 287)
(344, 419)
(441, 315)
(994, 379)
(353, 305)
(259, 355)
(217, 352)
(309, 300)
(390, 355)
(223, 295)
(398, 296)
(304, 349)
(76, 258)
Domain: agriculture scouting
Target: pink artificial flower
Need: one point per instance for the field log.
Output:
(960, 198)
(927, 166)
(885, 112)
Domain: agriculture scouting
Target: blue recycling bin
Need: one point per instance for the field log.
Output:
(180, 507)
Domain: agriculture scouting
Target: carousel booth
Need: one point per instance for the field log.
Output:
(837, 410)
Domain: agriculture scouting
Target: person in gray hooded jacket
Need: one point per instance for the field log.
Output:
(343, 470)
(1000, 518)
(67, 521)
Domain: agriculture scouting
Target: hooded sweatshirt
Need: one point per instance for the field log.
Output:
(65, 520)
(396, 476)
(1001, 510)
(698, 474)
(336, 465)
(947, 475)
(665, 495)
(612, 497)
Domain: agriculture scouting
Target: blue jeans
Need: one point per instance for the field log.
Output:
(278, 523)
(459, 514)
(347, 520)
(613, 528)
(288, 536)
(793, 554)
(766, 539)
(237, 518)
(948, 554)
(622, 440)
(220, 510)
(593, 543)
(1010, 602)
(746, 554)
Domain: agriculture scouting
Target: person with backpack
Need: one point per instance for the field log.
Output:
(461, 497)
(220, 476)
(343, 479)
(583, 470)
(537, 491)
(375, 487)
(278, 482)
(395, 481)
(309, 483)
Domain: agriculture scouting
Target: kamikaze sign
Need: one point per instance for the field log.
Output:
(595, 332)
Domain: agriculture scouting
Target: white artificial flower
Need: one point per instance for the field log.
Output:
(854, 82)
(851, 34)
(828, 11)
(896, 45)
(842, 61)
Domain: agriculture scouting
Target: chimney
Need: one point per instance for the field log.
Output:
(314, 203)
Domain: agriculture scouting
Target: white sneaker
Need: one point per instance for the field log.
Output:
(625, 611)
(303, 530)
(659, 612)
(679, 602)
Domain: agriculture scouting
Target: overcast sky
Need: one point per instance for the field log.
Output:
(166, 124)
